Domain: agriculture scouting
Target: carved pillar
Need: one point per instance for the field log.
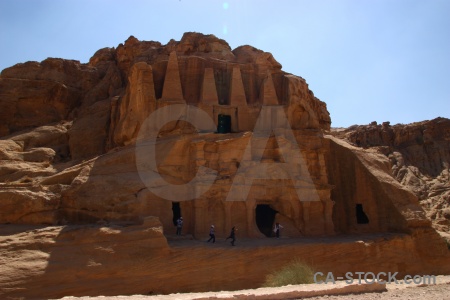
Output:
(328, 215)
(209, 91)
(238, 99)
(306, 208)
(200, 216)
(228, 221)
(297, 214)
(252, 230)
(172, 89)
(268, 93)
(209, 98)
(237, 92)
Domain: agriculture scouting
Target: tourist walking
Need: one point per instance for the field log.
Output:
(276, 229)
(179, 225)
(212, 235)
(232, 235)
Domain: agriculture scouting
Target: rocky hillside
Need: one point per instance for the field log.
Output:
(62, 120)
(99, 160)
(419, 154)
(54, 90)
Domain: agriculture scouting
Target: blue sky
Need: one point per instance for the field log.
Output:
(369, 60)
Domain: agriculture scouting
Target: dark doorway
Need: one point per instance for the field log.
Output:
(265, 216)
(176, 211)
(361, 217)
(223, 123)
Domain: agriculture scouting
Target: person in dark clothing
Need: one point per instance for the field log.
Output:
(212, 236)
(179, 225)
(232, 235)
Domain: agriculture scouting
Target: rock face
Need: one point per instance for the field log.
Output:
(132, 135)
(419, 156)
(124, 259)
(116, 93)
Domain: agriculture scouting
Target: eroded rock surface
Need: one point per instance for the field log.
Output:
(88, 160)
(113, 141)
(419, 155)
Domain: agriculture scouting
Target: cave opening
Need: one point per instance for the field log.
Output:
(176, 212)
(265, 217)
(361, 217)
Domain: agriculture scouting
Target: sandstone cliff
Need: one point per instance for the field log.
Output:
(64, 123)
(419, 156)
(124, 145)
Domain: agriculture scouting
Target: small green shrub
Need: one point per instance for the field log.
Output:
(296, 272)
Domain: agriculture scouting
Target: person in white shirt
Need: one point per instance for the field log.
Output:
(276, 229)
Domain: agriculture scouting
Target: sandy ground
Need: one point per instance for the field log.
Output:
(435, 292)
(401, 291)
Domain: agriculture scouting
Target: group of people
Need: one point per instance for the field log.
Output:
(232, 236)
(212, 235)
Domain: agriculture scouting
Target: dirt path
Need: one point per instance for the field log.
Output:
(435, 292)
(189, 241)
(401, 291)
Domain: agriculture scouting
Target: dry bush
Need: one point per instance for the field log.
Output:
(296, 272)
